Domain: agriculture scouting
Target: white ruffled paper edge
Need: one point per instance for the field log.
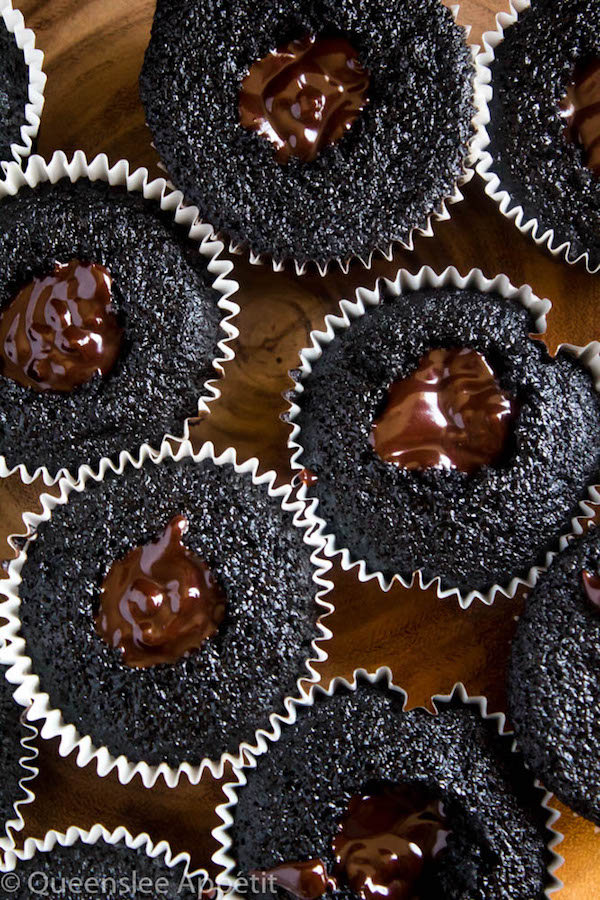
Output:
(441, 214)
(157, 190)
(353, 309)
(34, 60)
(96, 833)
(30, 754)
(223, 856)
(28, 692)
(507, 204)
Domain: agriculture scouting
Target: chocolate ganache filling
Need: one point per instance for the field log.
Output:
(60, 331)
(160, 601)
(384, 844)
(304, 96)
(581, 111)
(451, 413)
(591, 585)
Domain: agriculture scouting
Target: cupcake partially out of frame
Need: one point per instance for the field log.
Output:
(360, 799)
(312, 131)
(97, 863)
(114, 314)
(163, 615)
(541, 154)
(435, 436)
(22, 83)
(554, 678)
(17, 756)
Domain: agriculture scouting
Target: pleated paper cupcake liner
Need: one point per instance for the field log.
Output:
(223, 856)
(30, 772)
(442, 211)
(11, 881)
(29, 691)
(34, 60)
(99, 169)
(495, 187)
(350, 310)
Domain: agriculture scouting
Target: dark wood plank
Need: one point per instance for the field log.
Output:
(94, 50)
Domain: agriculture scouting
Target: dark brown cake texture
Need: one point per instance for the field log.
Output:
(14, 84)
(165, 336)
(360, 741)
(393, 167)
(473, 529)
(554, 680)
(539, 151)
(205, 703)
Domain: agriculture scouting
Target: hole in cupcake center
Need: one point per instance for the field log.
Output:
(384, 846)
(60, 330)
(451, 413)
(386, 840)
(304, 95)
(591, 586)
(580, 108)
(160, 601)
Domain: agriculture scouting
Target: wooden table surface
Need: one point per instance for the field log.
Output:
(94, 50)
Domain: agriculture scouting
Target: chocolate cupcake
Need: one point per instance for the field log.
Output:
(554, 677)
(311, 131)
(435, 435)
(358, 797)
(16, 756)
(112, 311)
(21, 86)
(179, 599)
(541, 154)
(99, 864)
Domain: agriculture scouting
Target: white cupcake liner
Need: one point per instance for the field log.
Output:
(508, 205)
(34, 60)
(157, 190)
(226, 879)
(440, 214)
(30, 772)
(354, 309)
(29, 692)
(10, 881)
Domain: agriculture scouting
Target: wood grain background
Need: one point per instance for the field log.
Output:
(94, 50)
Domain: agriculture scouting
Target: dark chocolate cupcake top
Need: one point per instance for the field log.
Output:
(12, 732)
(440, 437)
(545, 129)
(355, 756)
(14, 83)
(101, 869)
(311, 131)
(109, 324)
(554, 678)
(169, 611)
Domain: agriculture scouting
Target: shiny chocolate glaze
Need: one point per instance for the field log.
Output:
(307, 880)
(160, 601)
(591, 584)
(581, 111)
(449, 414)
(386, 839)
(384, 842)
(304, 96)
(60, 331)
